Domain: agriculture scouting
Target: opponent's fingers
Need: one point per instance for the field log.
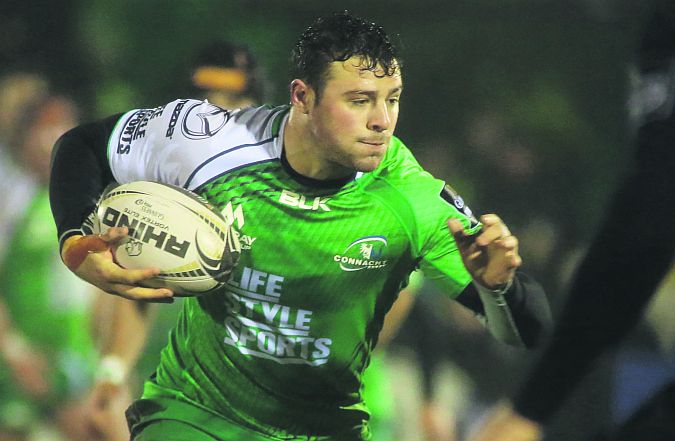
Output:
(456, 227)
(509, 243)
(464, 240)
(473, 253)
(490, 219)
(514, 261)
(115, 234)
(492, 232)
(517, 262)
(161, 295)
(117, 274)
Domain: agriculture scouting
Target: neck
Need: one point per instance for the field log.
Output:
(304, 152)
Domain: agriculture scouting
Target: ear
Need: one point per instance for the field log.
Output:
(302, 96)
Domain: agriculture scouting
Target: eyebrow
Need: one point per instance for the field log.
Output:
(372, 93)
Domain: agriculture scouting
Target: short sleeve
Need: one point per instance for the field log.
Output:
(430, 202)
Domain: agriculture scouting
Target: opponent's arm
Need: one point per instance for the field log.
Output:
(80, 173)
(622, 268)
(123, 336)
(626, 260)
(514, 307)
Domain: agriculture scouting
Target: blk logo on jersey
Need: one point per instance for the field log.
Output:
(365, 253)
(203, 120)
(300, 201)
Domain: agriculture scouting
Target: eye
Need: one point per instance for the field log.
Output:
(394, 100)
(359, 102)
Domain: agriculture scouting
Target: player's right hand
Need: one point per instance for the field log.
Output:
(92, 259)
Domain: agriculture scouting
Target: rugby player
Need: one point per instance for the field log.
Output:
(333, 213)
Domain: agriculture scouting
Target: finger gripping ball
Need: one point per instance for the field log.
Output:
(172, 229)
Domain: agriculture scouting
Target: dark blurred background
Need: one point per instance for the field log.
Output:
(520, 104)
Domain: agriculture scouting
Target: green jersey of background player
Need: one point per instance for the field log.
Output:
(333, 214)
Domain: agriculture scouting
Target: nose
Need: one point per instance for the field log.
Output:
(379, 119)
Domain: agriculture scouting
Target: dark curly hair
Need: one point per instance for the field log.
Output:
(339, 37)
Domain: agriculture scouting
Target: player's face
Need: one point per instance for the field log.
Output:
(356, 115)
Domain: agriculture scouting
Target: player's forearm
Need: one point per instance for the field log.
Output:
(79, 174)
(521, 316)
(498, 318)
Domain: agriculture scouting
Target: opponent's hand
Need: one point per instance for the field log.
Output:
(91, 258)
(504, 424)
(491, 257)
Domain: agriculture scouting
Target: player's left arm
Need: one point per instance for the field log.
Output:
(476, 263)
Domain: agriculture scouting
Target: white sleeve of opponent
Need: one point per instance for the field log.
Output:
(167, 143)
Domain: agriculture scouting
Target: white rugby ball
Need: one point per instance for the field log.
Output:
(174, 230)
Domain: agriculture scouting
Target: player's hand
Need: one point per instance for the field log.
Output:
(91, 258)
(491, 257)
(504, 424)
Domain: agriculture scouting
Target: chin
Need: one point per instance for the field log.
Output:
(368, 165)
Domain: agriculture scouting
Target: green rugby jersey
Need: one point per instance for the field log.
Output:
(282, 348)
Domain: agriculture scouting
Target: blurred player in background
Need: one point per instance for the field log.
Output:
(234, 369)
(227, 74)
(633, 250)
(16, 184)
(47, 317)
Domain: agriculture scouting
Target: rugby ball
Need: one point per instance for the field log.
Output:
(172, 229)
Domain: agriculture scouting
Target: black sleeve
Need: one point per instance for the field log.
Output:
(632, 251)
(527, 302)
(79, 173)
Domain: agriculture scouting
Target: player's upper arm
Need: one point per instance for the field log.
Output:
(440, 259)
(427, 203)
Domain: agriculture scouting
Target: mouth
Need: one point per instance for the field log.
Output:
(373, 142)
